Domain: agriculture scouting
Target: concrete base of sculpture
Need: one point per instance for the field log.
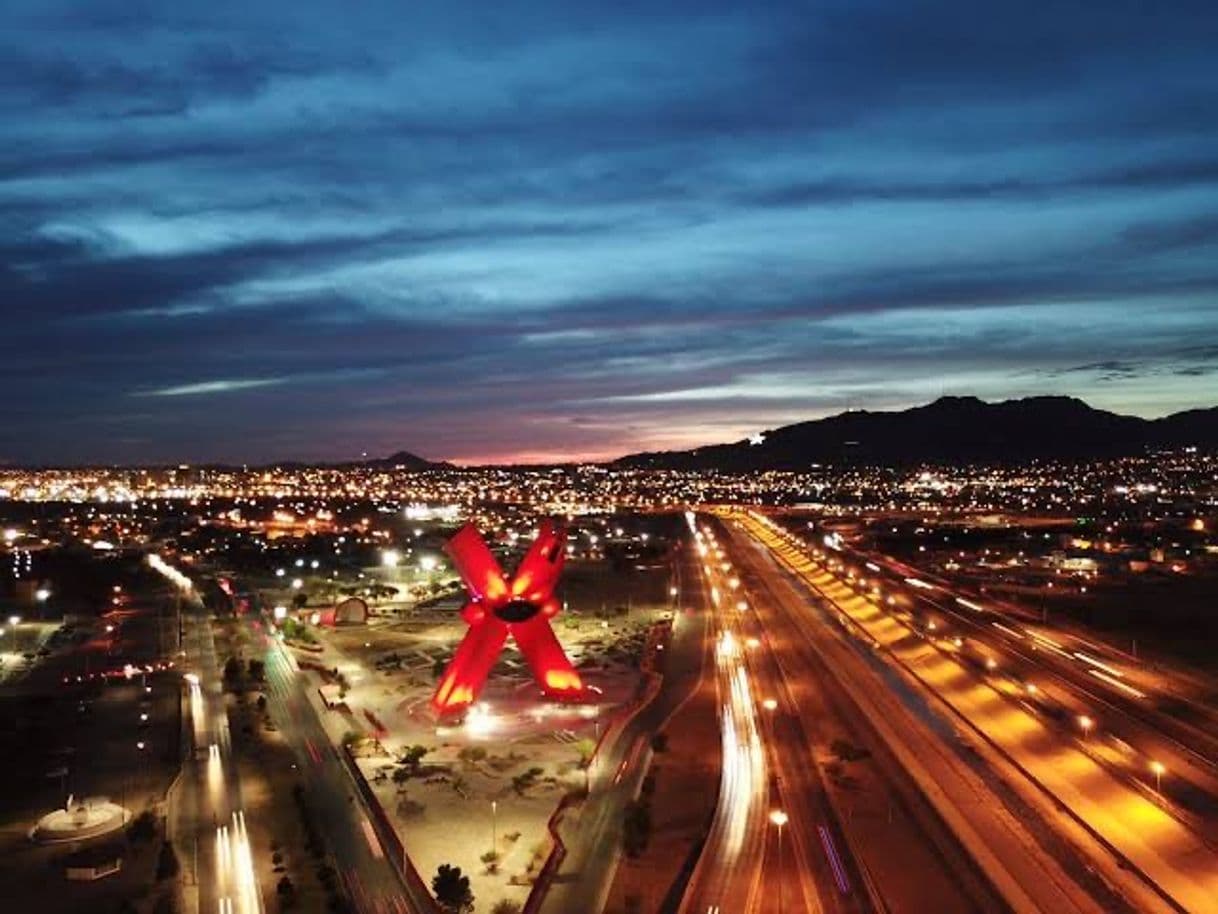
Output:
(82, 819)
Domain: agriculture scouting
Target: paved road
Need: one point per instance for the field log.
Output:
(907, 858)
(1030, 871)
(207, 817)
(748, 864)
(1124, 829)
(1077, 678)
(371, 880)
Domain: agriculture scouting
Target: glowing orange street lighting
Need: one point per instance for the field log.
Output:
(1086, 723)
(769, 704)
(1157, 770)
(779, 818)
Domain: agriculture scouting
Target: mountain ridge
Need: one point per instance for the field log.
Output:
(949, 429)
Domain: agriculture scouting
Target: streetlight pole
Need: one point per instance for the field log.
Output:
(1086, 723)
(494, 826)
(1157, 768)
(779, 818)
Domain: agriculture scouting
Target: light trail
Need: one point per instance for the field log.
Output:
(197, 717)
(215, 774)
(1123, 686)
(1099, 664)
(236, 883)
(835, 861)
(159, 565)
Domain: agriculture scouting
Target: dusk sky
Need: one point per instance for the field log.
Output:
(264, 230)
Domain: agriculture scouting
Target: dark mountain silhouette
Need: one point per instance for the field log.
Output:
(951, 430)
(405, 460)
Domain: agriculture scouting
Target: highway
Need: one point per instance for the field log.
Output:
(1145, 728)
(907, 858)
(372, 883)
(1022, 867)
(1156, 862)
(207, 817)
(774, 843)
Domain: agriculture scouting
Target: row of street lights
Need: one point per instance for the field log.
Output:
(1085, 722)
(1157, 768)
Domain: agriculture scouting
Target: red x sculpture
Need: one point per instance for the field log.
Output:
(521, 606)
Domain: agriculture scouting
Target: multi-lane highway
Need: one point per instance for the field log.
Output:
(904, 856)
(1141, 722)
(775, 842)
(372, 883)
(1153, 860)
(207, 818)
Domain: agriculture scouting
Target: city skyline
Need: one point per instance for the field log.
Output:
(542, 233)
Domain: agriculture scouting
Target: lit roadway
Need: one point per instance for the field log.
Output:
(207, 821)
(774, 843)
(1124, 829)
(371, 881)
(1142, 725)
(906, 857)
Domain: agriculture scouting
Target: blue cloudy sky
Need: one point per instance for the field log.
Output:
(260, 230)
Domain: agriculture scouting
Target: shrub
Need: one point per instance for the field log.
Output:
(167, 866)
(451, 889)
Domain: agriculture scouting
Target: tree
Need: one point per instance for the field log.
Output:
(143, 828)
(257, 669)
(451, 889)
(284, 888)
(586, 748)
(232, 670)
(506, 906)
(413, 757)
(636, 829)
(471, 755)
(167, 866)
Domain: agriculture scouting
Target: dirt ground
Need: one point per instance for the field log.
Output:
(689, 768)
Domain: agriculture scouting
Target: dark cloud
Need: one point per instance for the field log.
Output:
(252, 230)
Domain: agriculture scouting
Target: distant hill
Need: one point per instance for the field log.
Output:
(951, 429)
(404, 460)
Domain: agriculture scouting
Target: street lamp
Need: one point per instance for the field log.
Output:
(779, 818)
(495, 827)
(769, 704)
(1086, 723)
(1157, 770)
